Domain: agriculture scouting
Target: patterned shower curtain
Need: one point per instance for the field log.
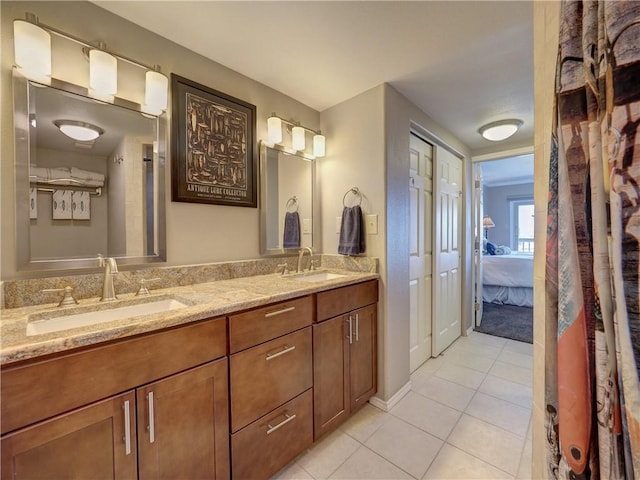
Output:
(593, 246)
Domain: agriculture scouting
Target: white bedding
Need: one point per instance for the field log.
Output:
(513, 270)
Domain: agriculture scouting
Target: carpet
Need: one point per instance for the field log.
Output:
(507, 321)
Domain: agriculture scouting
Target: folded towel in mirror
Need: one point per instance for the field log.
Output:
(61, 204)
(352, 241)
(291, 237)
(93, 179)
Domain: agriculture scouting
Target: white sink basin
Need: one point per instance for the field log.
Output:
(40, 324)
(319, 277)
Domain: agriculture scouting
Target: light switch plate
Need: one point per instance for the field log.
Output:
(306, 225)
(338, 224)
(372, 224)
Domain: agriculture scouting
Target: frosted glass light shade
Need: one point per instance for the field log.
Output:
(297, 138)
(501, 130)
(155, 92)
(103, 74)
(318, 145)
(79, 131)
(274, 130)
(32, 48)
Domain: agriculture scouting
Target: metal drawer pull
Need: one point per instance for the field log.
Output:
(279, 312)
(357, 327)
(350, 330)
(285, 349)
(151, 427)
(127, 428)
(287, 419)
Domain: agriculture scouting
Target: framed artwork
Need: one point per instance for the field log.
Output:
(214, 154)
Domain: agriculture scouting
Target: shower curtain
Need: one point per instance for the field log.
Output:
(592, 313)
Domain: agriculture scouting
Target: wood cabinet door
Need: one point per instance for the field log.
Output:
(331, 397)
(96, 442)
(363, 355)
(184, 425)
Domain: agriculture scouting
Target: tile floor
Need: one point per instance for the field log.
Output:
(467, 416)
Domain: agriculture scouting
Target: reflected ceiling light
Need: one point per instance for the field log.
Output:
(297, 138)
(103, 74)
(274, 129)
(32, 48)
(79, 131)
(501, 130)
(155, 92)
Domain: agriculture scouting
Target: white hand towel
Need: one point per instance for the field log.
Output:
(33, 203)
(81, 205)
(61, 204)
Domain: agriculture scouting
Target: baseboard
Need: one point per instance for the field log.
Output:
(469, 330)
(387, 405)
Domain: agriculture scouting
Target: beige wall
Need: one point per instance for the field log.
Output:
(196, 233)
(546, 16)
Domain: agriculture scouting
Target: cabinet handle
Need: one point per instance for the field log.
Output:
(279, 312)
(285, 349)
(151, 427)
(350, 330)
(127, 428)
(286, 420)
(357, 327)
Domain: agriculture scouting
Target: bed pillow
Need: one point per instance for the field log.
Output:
(491, 248)
(503, 250)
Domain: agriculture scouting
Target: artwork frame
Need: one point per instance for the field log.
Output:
(213, 153)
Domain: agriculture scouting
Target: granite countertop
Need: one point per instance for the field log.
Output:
(204, 300)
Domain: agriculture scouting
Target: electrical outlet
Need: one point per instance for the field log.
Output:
(338, 224)
(306, 225)
(372, 224)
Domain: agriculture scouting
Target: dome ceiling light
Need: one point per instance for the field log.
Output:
(501, 130)
(79, 131)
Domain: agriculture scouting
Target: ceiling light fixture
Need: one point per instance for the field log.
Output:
(501, 130)
(298, 135)
(79, 131)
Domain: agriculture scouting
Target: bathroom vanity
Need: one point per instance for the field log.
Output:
(235, 385)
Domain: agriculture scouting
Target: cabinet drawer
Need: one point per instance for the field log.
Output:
(262, 324)
(264, 447)
(341, 300)
(264, 377)
(46, 388)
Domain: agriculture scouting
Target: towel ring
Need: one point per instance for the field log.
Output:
(292, 204)
(356, 192)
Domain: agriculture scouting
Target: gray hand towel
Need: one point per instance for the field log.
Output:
(352, 240)
(291, 237)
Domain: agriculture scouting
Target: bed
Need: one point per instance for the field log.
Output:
(508, 279)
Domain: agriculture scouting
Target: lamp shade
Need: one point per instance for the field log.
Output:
(274, 130)
(318, 145)
(103, 74)
(487, 222)
(32, 47)
(155, 92)
(297, 138)
(497, 131)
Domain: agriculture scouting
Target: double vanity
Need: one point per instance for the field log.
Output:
(227, 379)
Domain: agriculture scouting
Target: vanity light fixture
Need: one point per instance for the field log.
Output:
(32, 43)
(501, 130)
(103, 74)
(79, 131)
(297, 138)
(298, 135)
(32, 48)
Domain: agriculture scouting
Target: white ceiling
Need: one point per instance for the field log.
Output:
(508, 171)
(464, 63)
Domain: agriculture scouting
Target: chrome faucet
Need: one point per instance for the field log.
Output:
(300, 255)
(110, 269)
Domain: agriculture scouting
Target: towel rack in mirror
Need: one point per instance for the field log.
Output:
(292, 204)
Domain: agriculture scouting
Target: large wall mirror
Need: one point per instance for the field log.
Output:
(77, 198)
(286, 200)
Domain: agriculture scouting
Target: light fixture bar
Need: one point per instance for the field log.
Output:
(30, 17)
